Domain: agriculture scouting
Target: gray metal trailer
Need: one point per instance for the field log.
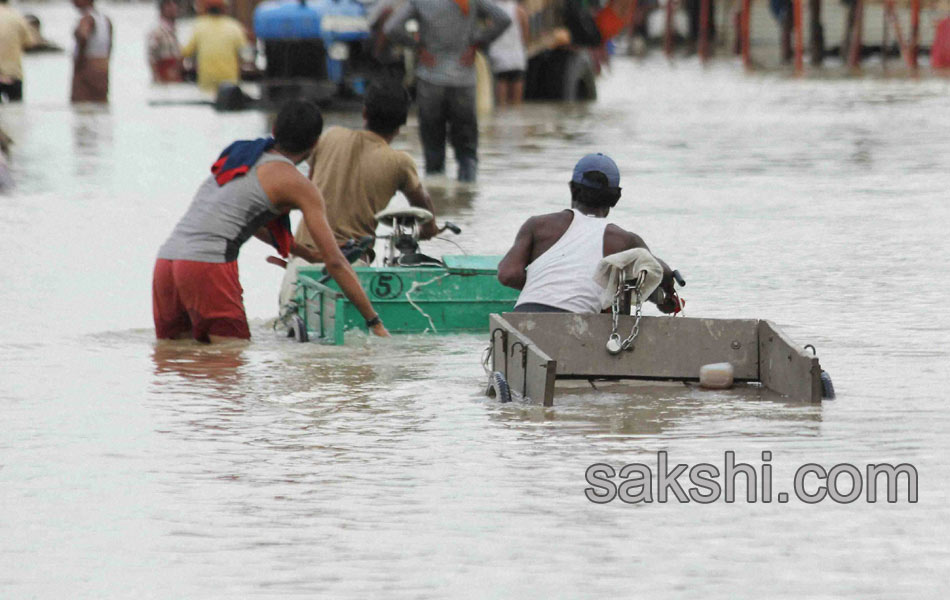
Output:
(531, 351)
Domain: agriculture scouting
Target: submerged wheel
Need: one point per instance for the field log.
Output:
(298, 330)
(827, 388)
(498, 387)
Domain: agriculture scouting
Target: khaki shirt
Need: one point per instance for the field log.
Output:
(15, 35)
(358, 173)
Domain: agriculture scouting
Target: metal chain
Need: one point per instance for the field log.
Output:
(616, 345)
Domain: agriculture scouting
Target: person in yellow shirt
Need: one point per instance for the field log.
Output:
(15, 35)
(216, 44)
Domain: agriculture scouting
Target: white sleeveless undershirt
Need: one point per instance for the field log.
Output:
(563, 277)
(99, 44)
(507, 52)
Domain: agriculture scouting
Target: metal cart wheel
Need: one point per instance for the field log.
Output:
(298, 330)
(498, 387)
(827, 388)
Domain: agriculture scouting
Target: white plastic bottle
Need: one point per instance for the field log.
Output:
(717, 376)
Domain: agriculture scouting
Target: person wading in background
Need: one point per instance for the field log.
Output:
(507, 54)
(15, 36)
(389, 57)
(91, 58)
(450, 32)
(164, 52)
(216, 42)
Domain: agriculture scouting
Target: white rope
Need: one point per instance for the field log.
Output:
(415, 286)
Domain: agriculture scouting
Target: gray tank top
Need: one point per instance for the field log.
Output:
(221, 218)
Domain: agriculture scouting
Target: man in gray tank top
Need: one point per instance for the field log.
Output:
(564, 283)
(195, 290)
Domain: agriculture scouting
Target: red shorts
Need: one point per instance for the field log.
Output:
(199, 298)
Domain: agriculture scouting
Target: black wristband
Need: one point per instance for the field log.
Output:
(370, 323)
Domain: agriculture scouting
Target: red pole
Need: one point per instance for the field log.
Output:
(799, 42)
(914, 32)
(744, 24)
(668, 36)
(854, 52)
(703, 30)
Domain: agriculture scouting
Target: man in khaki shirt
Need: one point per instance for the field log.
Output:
(358, 173)
(15, 35)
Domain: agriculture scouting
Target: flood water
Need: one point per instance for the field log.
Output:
(275, 470)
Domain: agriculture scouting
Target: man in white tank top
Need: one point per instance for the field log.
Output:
(555, 255)
(91, 55)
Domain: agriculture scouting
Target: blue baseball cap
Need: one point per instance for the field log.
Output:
(600, 163)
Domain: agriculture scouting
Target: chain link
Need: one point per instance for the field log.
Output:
(616, 345)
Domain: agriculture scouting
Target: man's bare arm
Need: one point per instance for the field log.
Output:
(511, 269)
(87, 26)
(287, 188)
(420, 198)
(619, 240)
(296, 249)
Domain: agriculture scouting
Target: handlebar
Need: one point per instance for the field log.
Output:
(352, 251)
(446, 226)
(451, 227)
(679, 278)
